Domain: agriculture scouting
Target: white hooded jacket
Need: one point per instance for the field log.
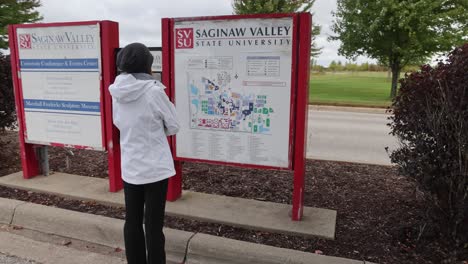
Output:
(145, 116)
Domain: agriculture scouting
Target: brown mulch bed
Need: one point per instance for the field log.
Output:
(380, 215)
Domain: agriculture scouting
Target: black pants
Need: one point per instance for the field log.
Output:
(148, 202)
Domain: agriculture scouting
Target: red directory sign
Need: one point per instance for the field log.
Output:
(240, 86)
(61, 72)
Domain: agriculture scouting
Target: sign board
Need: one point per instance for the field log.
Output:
(157, 59)
(60, 83)
(240, 86)
(233, 90)
(61, 74)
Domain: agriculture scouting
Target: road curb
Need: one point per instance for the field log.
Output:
(88, 227)
(367, 110)
(195, 248)
(101, 230)
(207, 249)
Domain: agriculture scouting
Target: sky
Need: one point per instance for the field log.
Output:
(140, 20)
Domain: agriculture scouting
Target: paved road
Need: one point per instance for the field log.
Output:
(25, 246)
(349, 136)
(30, 247)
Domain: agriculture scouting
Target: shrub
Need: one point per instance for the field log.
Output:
(7, 98)
(430, 118)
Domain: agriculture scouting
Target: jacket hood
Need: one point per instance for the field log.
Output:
(127, 88)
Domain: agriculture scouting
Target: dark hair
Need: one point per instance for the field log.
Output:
(135, 58)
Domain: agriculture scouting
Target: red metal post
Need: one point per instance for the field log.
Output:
(110, 42)
(302, 97)
(174, 189)
(29, 160)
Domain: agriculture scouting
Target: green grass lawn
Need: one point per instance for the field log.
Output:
(350, 89)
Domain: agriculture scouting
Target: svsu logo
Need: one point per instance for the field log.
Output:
(184, 38)
(25, 41)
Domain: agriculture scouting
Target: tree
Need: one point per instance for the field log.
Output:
(7, 98)
(243, 7)
(399, 32)
(364, 67)
(16, 12)
(11, 12)
(332, 65)
(339, 66)
(349, 66)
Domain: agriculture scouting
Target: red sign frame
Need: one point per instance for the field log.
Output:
(109, 42)
(299, 100)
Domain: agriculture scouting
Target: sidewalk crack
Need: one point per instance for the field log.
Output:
(14, 212)
(187, 248)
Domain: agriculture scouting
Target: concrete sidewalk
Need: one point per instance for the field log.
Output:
(246, 213)
(181, 247)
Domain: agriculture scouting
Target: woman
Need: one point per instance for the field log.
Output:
(145, 116)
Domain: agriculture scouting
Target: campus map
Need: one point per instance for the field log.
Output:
(214, 105)
(233, 96)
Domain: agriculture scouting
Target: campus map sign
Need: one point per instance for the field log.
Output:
(60, 79)
(233, 90)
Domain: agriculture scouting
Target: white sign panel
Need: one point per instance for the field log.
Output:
(233, 90)
(60, 74)
(157, 61)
